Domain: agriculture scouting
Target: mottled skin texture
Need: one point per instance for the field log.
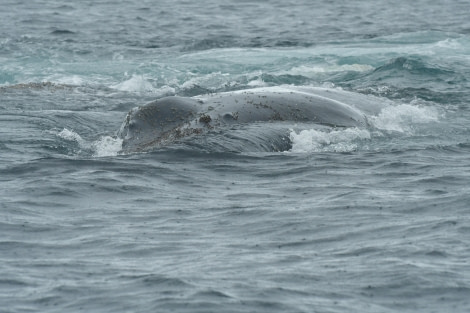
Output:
(167, 119)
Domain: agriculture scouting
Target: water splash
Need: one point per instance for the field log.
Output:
(337, 140)
(70, 135)
(107, 146)
(137, 84)
(403, 118)
(104, 146)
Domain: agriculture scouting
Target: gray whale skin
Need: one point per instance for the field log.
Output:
(168, 119)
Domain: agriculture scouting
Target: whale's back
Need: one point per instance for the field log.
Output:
(171, 118)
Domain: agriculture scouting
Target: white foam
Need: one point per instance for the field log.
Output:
(60, 79)
(449, 43)
(104, 146)
(137, 83)
(310, 71)
(257, 83)
(164, 91)
(403, 118)
(211, 79)
(74, 80)
(73, 136)
(107, 146)
(337, 140)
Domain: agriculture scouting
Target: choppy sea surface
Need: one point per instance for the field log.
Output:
(375, 219)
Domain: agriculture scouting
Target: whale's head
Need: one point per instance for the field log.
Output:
(154, 122)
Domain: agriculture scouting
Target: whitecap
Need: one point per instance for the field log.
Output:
(104, 146)
(403, 118)
(258, 82)
(312, 70)
(107, 146)
(336, 140)
(70, 135)
(137, 83)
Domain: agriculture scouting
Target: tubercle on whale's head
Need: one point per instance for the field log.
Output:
(148, 124)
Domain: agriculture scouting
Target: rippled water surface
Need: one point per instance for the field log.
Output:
(372, 219)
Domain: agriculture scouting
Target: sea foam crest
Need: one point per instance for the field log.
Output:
(336, 140)
(137, 83)
(312, 70)
(403, 118)
(107, 146)
(71, 80)
(104, 146)
(73, 136)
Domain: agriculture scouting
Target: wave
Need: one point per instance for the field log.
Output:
(403, 119)
(399, 62)
(413, 66)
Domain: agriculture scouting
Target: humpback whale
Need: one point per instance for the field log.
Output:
(171, 118)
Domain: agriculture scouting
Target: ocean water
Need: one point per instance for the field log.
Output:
(373, 219)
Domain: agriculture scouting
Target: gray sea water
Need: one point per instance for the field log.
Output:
(345, 220)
